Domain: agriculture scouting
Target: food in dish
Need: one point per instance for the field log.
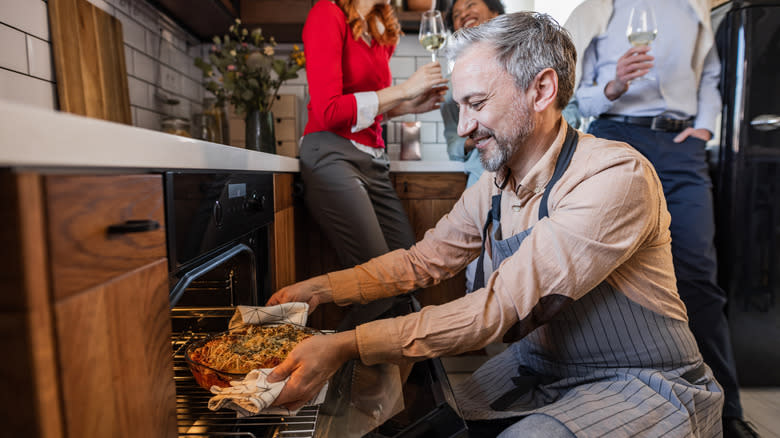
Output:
(229, 356)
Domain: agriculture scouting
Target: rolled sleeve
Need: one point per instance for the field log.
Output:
(590, 96)
(367, 109)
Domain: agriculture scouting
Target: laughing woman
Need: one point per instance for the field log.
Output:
(344, 166)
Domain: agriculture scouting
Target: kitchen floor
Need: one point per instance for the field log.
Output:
(761, 404)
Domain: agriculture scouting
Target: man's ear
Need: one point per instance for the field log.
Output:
(545, 85)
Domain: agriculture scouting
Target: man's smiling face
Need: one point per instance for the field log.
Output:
(493, 112)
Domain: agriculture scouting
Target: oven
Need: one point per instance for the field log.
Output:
(219, 226)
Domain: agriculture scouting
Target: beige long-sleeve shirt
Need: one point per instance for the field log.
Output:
(607, 221)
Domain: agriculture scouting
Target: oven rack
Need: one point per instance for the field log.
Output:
(196, 420)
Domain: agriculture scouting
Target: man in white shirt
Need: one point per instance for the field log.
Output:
(663, 99)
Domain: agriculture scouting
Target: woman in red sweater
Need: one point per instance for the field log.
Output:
(345, 170)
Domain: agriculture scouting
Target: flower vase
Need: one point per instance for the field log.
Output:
(260, 131)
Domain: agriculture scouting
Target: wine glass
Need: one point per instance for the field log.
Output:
(432, 32)
(642, 28)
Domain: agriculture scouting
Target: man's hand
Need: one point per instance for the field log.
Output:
(310, 365)
(313, 291)
(701, 134)
(633, 64)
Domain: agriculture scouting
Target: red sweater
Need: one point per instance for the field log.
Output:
(336, 66)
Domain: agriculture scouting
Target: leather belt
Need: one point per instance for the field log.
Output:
(657, 123)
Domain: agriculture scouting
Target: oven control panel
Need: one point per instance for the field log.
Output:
(206, 211)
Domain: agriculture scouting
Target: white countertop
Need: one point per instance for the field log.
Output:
(36, 138)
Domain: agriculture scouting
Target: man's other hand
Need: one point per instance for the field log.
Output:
(701, 134)
(633, 64)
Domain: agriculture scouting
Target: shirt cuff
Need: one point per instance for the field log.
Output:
(344, 287)
(367, 109)
(379, 342)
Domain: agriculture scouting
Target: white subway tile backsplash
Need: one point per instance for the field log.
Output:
(441, 138)
(422, 60)
(29, 16)
(147, 119)
(409, 45)
(145, 16)
(144, 67)
(25, 49)
(298, 90)
(170, 80)
(192, 90)
(129, 59)
(392, 129)
(430, 116)
(39, 58)
(404, 118)
(435, 152)
(20, 88)
(153, 46)
(402, 67)
(394, 151)
(140, 93)
(133, 33)
(123, 5)
(428, 132)
(300, 80)
(13, 50)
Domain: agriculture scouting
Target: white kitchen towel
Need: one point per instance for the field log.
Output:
(253, 395)
(296, 313)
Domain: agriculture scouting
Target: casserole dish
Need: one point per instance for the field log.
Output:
(223, 357)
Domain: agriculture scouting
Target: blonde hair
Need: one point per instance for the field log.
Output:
(383, 14)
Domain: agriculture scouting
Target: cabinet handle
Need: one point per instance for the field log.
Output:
(134, 226)
(406, 187)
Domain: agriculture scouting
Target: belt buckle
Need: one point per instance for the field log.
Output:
(659, 123)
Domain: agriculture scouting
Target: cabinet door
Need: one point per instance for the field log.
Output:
(116, 369)
(111, 311)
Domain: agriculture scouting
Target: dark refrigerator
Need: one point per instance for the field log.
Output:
(746, 176)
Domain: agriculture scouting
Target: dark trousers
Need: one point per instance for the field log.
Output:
(351, 197)
(682, 168)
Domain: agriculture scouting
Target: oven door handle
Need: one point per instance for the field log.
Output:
(194, 273)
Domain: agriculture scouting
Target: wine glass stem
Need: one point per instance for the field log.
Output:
(433, 56)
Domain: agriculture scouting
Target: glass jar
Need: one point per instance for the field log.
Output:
(176, 126)
(204, 127)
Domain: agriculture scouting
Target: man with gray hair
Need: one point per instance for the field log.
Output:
(575, 232)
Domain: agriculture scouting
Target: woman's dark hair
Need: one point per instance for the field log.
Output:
(493, 5)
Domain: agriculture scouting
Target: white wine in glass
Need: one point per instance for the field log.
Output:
(432, 32)
(642, 28)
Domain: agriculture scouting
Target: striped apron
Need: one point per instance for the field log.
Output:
(603, 366)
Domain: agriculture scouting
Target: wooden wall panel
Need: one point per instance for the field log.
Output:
(34, 409)
(283, 249)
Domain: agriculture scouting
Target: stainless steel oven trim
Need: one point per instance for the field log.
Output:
(193, 274)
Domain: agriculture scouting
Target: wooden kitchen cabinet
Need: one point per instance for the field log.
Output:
(426, 198)
(86, 322)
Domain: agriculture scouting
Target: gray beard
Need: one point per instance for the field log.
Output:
(524, 125)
